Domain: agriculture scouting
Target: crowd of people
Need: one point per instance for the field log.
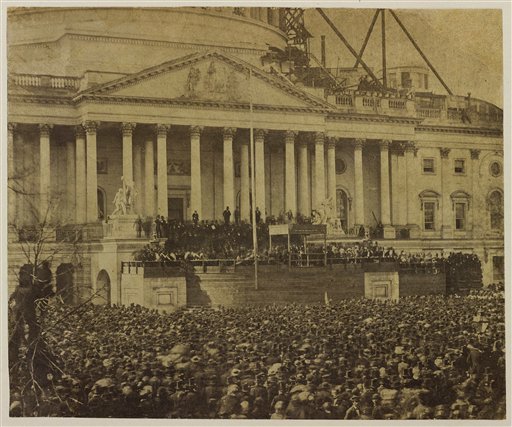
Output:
(428, 357)
(234, 244)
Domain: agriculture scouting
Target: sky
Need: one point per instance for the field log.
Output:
(464, 45)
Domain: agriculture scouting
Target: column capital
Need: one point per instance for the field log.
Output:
(228, 132)
(127, 128)
(444, 152)
(91, 126)
(195, 131)
(331, 141)
(260, 134)
(11, 127)
(358, 143)
(397, 147)
(79, 131)
(290, 135)
(319, 137)
(384, 144)
(45, 129)
(475, 153)
(409, 146)
(162, 129)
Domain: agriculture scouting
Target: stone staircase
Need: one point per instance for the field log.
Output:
(302, 286)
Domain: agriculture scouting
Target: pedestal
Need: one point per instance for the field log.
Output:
(388, 232)
(123, 226)
(414, 231)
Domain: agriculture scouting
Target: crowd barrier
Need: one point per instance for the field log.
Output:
(293, 261)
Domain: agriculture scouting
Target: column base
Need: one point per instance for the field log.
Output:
(388, 232)
(414, 231)
(446, 232)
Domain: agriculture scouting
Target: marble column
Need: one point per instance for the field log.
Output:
(289, 170)
(478, 226)
(411, 193)
(331, 170)
(195, 170)
(228, 175)
(303, 193)
(12, 200)
(70, 181)
(137, 178)
(273, 16)
(127, 130)
(245, 214)
(149, 176)
(259, 169)
(358, 183)
(92, 177)
(446, 176)
(161, 164)
(80, 176)
(385, 202)
(401, 186)
(319, 170)
(44, 172)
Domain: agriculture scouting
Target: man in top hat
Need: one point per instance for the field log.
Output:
(227, 215)
(354, 412)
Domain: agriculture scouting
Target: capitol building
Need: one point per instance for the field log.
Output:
(168, 98)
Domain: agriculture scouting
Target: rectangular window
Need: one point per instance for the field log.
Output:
(426, 81)
(460, 216)
(428, 213)
(406, 79)
(428, 166)
(459, 166)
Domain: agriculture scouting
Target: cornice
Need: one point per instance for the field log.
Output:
(46, 100)
(372, 118)
(459, 130)
(153, 42)
(110, 99)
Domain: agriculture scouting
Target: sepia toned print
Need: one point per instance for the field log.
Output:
(255, 213)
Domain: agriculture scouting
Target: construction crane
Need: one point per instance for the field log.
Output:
(308, 68)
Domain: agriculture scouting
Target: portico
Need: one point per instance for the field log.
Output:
(208, 167)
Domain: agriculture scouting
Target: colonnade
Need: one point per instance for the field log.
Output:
(299, 196)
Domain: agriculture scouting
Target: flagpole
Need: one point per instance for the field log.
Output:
(253, 204)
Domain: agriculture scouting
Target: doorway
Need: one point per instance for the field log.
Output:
(175, 208)
(103, 287)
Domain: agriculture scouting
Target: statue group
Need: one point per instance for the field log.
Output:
(326, 214)
(123, 200)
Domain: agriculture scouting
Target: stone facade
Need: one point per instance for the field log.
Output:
(172, 111)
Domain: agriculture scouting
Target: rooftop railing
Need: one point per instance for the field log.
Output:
(353, 101)
(55, 82)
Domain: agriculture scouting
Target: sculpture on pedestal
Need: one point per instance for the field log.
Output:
(124, 198)
(326, 214)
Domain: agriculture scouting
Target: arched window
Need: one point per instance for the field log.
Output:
(495, 205)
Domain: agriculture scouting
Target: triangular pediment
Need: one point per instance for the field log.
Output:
(209, 77)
